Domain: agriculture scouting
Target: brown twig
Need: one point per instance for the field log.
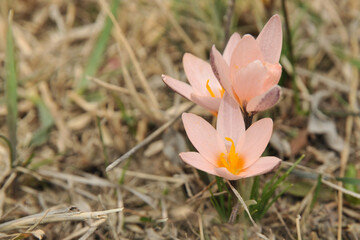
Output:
(68, 214)
(146, 141)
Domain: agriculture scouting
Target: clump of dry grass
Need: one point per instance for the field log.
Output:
(67, 137)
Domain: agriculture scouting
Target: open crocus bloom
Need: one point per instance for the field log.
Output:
(253, 72)
(204, 89)
(229, 151)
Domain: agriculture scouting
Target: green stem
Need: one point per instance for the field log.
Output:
(236, 204)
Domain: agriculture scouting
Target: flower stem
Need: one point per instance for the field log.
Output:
(236, 203)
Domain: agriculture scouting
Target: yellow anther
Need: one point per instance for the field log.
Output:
(231, 160)
(212, 94)
(209, 89)
(222, 91)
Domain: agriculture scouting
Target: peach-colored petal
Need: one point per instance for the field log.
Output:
(198, 72)
(270, 40)
(248, 81)
(257, 137)
(224, 173)
(230, 122)
(239, 145)
(221, 69)
(210, 103)
(197, 161)
(261, 166)
(245, 52)
(264, 101)
(230, 47)
(203, 137)
(274, 74)
(181, 88)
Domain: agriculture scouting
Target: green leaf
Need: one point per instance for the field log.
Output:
(351, 182)
(316, 193)
(263, 205)
(11, 89)
(46, 123)
(96, 56)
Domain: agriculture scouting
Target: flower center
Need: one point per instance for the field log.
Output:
(212, 94)
(231, 160)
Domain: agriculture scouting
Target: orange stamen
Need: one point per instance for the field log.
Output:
(212, 94)
(209, 89)
(222, 91)
(231, 161)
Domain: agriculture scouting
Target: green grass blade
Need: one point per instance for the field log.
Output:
(349, 180)
(11, 89)
(255, 188)
(46, 123)
(316, 193)
(96, 56)
(123, 172)
(270, 190)
(273, 200)
(106, 158)
(8, 143)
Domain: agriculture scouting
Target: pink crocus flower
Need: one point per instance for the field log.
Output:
(204, 89)
(254, 71)
(229, 151)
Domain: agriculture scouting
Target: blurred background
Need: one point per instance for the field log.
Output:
(80, 86)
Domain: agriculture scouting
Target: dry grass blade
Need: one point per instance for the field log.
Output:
(89, 179)
(349, 124)
(146, 176)
(298, 229)
(178, 28)
(55, 216)
(148, 200)
(3, 189)
(341, 189)
(146, 141)
(125, 43)
(130, 84)
(237, 194)
(85, 229)
(110, 86)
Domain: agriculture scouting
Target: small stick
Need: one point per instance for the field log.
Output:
(55, 216)
(283, 223)
(109, 85)
(146, 141)
(201, 192)
(298, 230)
(341, 189)
(237, 194)
(201, 227)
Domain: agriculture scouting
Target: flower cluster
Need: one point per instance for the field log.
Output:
(236, 84)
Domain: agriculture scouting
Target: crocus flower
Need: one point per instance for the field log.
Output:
(204, 89)
(252, 75)
(229, 151)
